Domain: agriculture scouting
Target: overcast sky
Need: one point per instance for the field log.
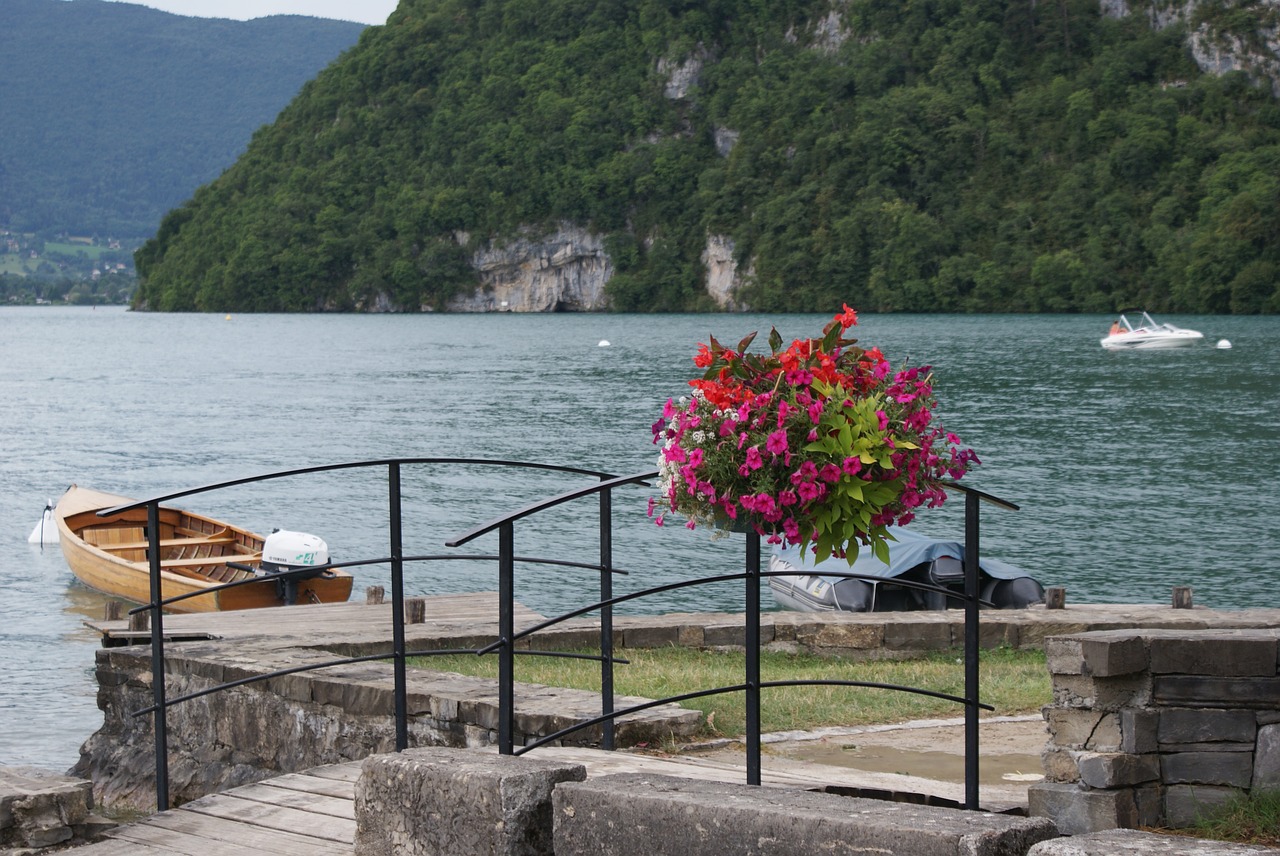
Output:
(364, 11)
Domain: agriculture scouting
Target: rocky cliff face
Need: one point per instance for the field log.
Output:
(722, 273)
(561, 272)
(1257, 54)
(567, 270)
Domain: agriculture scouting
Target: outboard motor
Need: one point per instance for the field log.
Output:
(293, 552)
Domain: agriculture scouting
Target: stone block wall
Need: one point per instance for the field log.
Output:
(41, 809)
(294, 722)
(426, 802)
(1156, 728)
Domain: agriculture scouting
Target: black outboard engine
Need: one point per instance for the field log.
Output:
(293, 552)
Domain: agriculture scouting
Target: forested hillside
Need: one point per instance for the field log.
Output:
(946, 155)
(115, 113)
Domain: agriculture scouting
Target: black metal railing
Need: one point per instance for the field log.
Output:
(507, 637)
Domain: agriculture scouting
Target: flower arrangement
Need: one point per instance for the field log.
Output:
(819, 444)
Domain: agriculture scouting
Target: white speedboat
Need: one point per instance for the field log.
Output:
(1148, 335)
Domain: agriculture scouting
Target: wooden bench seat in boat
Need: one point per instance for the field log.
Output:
(210, 560)
(171, 542)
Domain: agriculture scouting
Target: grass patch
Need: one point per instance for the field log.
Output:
(1247, 819)
(74, 249)
(1013, 681)
(16, 264)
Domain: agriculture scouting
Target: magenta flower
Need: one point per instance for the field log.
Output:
(728, 450)
(808, 472)
(811, 491)
(777, 443)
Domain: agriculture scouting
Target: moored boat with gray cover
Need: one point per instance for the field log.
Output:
(807, 586)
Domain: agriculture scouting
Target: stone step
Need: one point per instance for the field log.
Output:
(1131, 842)
(40, 809)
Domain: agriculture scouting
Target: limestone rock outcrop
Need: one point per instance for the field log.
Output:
(1257, 54)
(723, 280)
(564, 271)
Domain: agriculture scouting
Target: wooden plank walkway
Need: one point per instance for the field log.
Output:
(300, 814)
(333, 621)
(314, 812)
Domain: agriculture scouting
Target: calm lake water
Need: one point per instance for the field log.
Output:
(1135, 472)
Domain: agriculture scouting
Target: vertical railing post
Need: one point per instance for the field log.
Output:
(606, 617)
(397, 606)
(506, 636)
(971, 691)
(161, 718)
(752, 644)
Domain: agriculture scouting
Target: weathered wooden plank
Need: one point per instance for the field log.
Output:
(158, 839)
(192, 834)
(336, 619)
(229, 807)
(346, 772)
(343, 788)
(113, 847)
(281, 797)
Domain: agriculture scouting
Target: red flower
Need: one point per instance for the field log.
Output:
(848, 318)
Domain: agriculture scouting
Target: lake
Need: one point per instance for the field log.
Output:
(1135, 472)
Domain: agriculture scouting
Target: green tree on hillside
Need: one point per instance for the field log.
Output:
(953, 155)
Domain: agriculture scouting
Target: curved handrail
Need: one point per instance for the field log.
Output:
(734, 688)
(982, 495)
(507, 636)
(542, 505)
(719, 578)
(347, 465)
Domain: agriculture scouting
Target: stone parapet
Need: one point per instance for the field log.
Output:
(646, 815)
(434, 802)
(294, 722)
(41, 809)
(1130, 842)
(1157, 727)
(857, 636)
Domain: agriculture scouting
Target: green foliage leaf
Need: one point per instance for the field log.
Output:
(982, 157)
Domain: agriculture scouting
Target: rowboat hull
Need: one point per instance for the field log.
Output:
(109, 554)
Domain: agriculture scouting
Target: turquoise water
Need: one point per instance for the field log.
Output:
(1135, 472)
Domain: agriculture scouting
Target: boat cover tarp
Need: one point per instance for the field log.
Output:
(909, 550)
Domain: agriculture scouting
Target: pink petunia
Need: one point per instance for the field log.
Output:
(777, 443)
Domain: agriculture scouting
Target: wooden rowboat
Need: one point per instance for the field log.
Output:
(109, 554)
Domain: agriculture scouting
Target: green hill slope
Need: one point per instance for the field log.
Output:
(116, 113)
(953, 155)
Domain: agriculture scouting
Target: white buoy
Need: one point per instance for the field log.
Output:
(46, 531)
(1224, 344)
(604, 343)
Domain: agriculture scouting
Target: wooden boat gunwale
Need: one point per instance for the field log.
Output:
(196, 550)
